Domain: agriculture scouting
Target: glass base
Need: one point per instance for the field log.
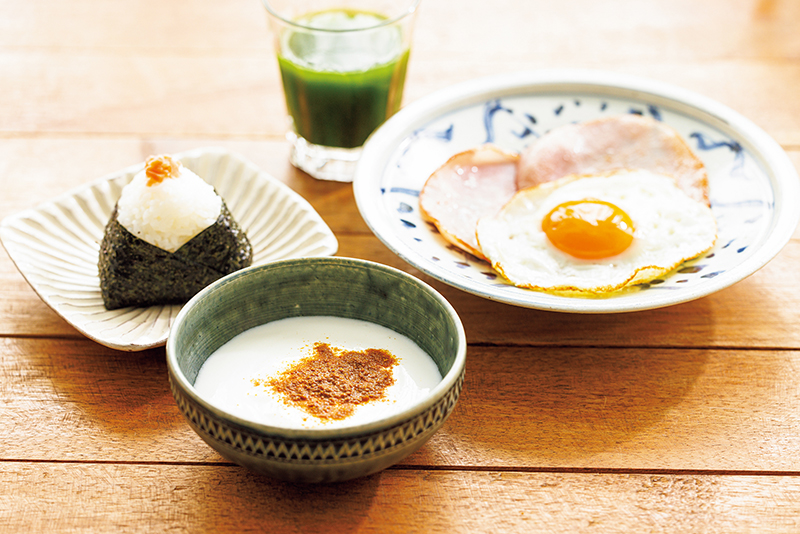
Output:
(323, 162)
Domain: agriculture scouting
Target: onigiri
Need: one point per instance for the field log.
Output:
(169, 236)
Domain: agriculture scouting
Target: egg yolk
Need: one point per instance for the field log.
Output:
(589, 229)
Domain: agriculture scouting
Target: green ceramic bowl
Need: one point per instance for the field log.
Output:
(340, 287)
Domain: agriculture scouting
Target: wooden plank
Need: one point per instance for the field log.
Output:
(177, 96)
(527, 407)
(681, 30)
(108, 78)
(148, 498)
(758, 312)
(150, 27)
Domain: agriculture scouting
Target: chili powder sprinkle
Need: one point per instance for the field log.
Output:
(332, 382)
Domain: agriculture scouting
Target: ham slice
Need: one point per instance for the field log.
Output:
(468, 186)
(610, 144)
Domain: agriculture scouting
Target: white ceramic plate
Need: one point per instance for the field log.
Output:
(754, 187)
(55, 245)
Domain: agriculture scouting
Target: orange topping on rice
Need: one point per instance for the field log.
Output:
(158, 168)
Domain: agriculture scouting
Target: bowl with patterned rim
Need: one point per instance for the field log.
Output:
(316, 287)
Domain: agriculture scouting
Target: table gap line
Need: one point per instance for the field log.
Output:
(142, 136)
(451, 468)
(632, 347)
(117, 462)
(601, 470)
(260, 136)
(67, 337)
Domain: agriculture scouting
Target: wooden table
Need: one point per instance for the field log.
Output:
(679, 419)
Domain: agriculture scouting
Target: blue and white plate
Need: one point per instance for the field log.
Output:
(754, 187)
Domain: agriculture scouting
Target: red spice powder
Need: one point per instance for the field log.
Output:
(332, 382)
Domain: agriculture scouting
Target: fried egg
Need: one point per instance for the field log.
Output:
(596, 233)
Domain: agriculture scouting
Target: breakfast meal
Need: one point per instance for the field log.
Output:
(587, 209)
(169, 236)
(315, 375)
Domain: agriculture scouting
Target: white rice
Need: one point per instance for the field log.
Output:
(169, 213)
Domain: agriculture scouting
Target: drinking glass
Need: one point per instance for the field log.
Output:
(343, 68)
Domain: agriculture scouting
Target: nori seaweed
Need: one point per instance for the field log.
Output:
(136, 273)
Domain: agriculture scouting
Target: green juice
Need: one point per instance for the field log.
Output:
(340, 87)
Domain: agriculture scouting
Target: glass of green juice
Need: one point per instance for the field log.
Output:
(343, 68)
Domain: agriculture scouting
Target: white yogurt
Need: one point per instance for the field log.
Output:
(233, 378)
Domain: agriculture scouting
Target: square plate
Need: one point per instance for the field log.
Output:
(754, 188)
(56, 245)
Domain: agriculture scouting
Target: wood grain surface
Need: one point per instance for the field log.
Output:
(682, 419)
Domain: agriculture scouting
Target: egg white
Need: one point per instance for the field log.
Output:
(669, 228)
